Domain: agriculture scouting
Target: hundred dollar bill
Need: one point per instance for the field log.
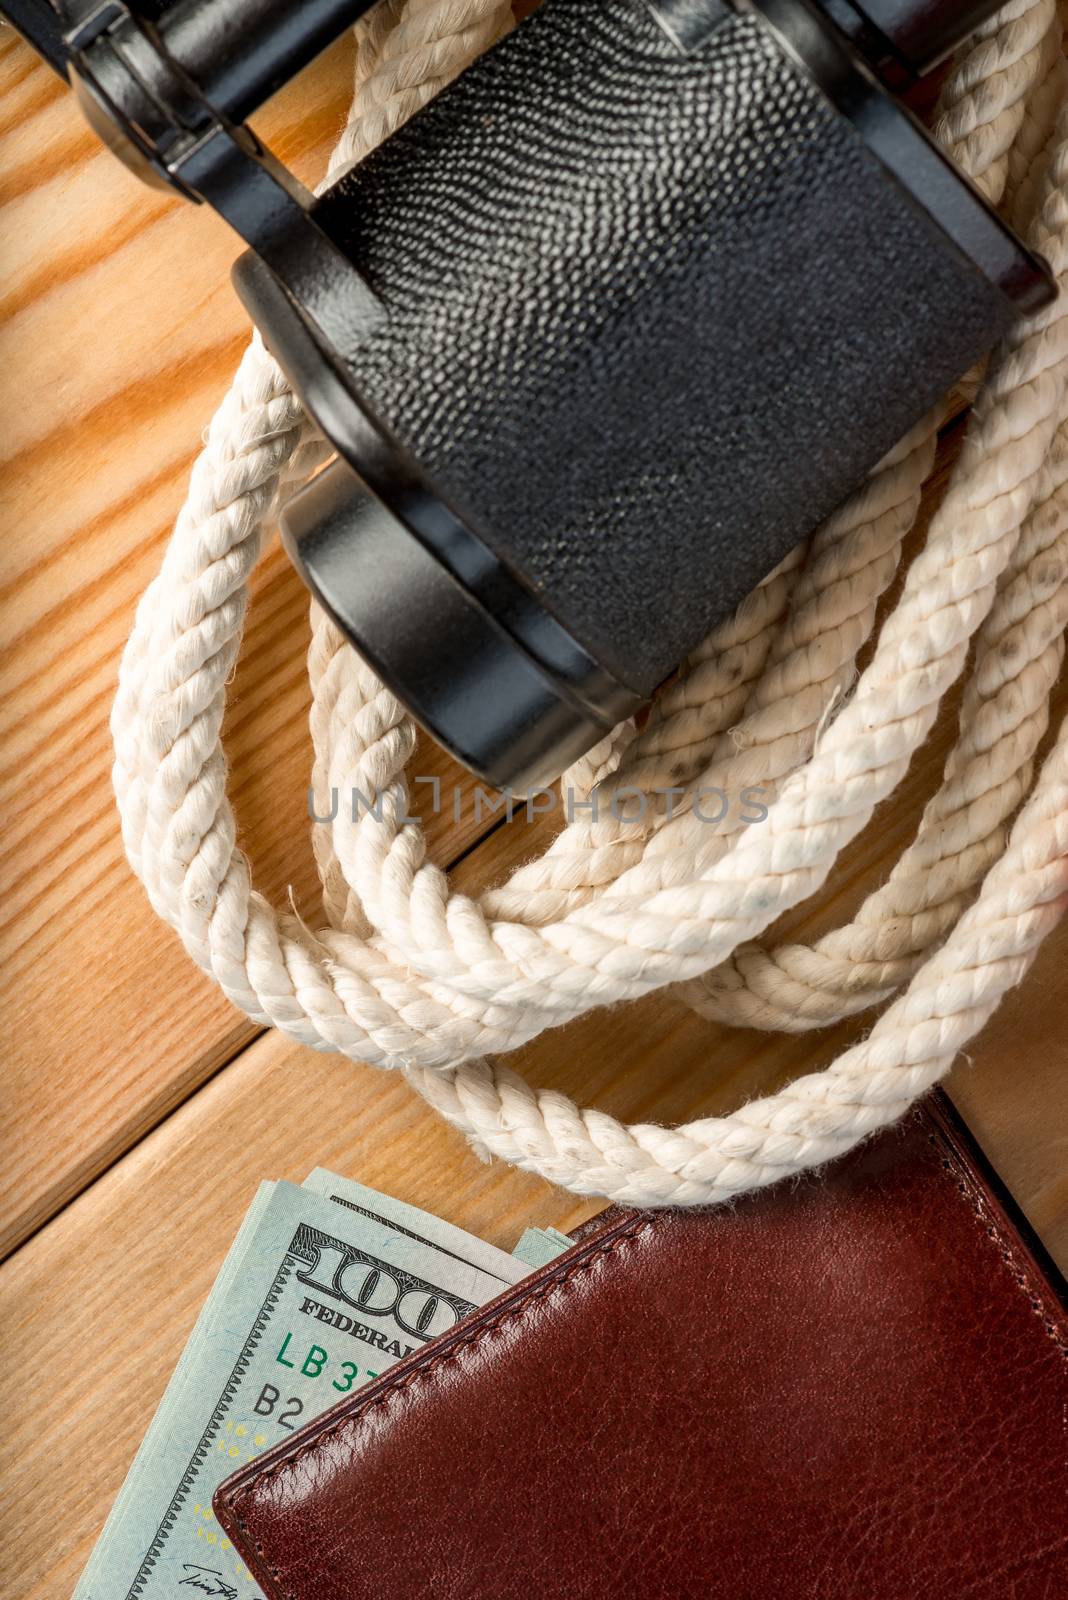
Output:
(171, 1400)
(539, 1246)
(536, 1247)
(321, 1292)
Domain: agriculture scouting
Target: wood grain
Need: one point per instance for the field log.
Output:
(129, 1262)
(139, 1110)
(119, 335)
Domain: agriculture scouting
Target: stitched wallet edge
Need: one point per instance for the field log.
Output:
(1023, 1258)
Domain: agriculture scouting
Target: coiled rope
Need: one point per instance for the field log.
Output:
(408, 975)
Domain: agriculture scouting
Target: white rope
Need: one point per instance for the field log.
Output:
(409, 975)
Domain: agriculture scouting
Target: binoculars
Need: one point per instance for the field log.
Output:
(598, 335)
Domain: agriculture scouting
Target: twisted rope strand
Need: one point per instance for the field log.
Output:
(822, 1114)
(1004, 715)
(408, 975)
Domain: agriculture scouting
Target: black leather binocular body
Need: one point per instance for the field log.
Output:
(601, 333)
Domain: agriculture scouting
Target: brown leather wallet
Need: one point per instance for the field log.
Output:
(851, 1385)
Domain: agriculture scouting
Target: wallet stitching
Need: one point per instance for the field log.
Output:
(1018, 1271)
(396, 1387)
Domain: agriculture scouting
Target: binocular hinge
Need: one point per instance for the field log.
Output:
(169, 97)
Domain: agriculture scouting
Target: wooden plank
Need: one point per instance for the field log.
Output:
(130, 1260)
(119, 334)
(108, 1027)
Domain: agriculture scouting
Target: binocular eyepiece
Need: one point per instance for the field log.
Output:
(598, 335)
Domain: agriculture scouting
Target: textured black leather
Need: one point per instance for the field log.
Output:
(650, 317)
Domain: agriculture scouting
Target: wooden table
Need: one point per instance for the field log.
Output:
(140, 1110)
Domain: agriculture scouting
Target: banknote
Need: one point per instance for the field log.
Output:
(536, 1247)
(539, 1246)
(325, 1287)
(172, 1395)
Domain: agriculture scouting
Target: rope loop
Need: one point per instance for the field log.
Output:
(406, 973)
